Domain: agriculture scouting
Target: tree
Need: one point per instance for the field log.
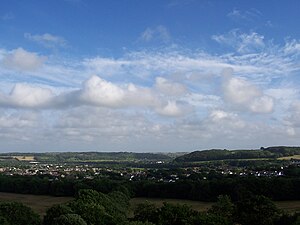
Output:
(176, 214)
(257, 210)
(3, 221)
(69, 219)
(223, 208)
(146, 212)
(55, 212)
(16, 213)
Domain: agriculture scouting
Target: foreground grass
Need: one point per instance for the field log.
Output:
(39, 203)
(289, 206)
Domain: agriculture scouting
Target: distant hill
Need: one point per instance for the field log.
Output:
(89, 156)
(218, 154)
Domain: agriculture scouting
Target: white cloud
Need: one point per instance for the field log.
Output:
(170, 109)
(22, 60)
(292, 47)
(248, 15)
(242, 93)
(263, 104)
(159, 33)
(169, 88)
(242, 42)
(26, 96)
(155, 98)
(47, 40)
(100, 92)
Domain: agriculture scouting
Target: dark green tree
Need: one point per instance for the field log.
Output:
(69, 219)
(18, 214)
(55, 212)
(223, 208)
(146, 212)
(257, 210)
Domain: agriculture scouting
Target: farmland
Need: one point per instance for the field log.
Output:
(39, 203)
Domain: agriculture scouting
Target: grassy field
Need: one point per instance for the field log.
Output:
(289, 206)
(290, 157)
(39, 203)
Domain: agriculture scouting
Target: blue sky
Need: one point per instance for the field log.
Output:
(172, 75)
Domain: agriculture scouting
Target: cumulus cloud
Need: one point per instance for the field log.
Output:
(22, 60)
(26, 96)
(242, 93)
(100, 92)
(47, 40)
(95, 92)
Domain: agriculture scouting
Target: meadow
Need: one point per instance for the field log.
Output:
(39, 203)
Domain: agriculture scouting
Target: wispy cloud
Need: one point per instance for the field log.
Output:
(248, 15)
(47, 40)
(242, 42)
(8, 16)
(159, 33)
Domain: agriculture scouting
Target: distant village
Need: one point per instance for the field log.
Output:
(89, 171)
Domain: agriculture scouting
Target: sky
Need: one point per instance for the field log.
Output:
(148, 76)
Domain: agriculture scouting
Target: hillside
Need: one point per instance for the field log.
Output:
(218, 154)
(88, 156)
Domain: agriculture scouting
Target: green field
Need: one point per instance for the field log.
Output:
(289, 206)
(39, 203)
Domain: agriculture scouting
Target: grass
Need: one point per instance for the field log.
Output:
(39, 203)
(289, 206)
(158, 202)
(290, 157)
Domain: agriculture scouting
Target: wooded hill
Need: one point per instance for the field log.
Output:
(218, 154)
(60, 157)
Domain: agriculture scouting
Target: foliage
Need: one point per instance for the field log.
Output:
(69, 219)
(223, 208)
(94, 208)
(146, 212)
(257, 210)
(55, 212)
(18, 214)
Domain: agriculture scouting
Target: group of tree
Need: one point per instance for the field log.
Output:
(208, 190)
(255, 210)
(275, 188)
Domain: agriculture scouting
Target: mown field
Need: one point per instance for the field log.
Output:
(39, 203)
(290, 157)
(289, 206)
